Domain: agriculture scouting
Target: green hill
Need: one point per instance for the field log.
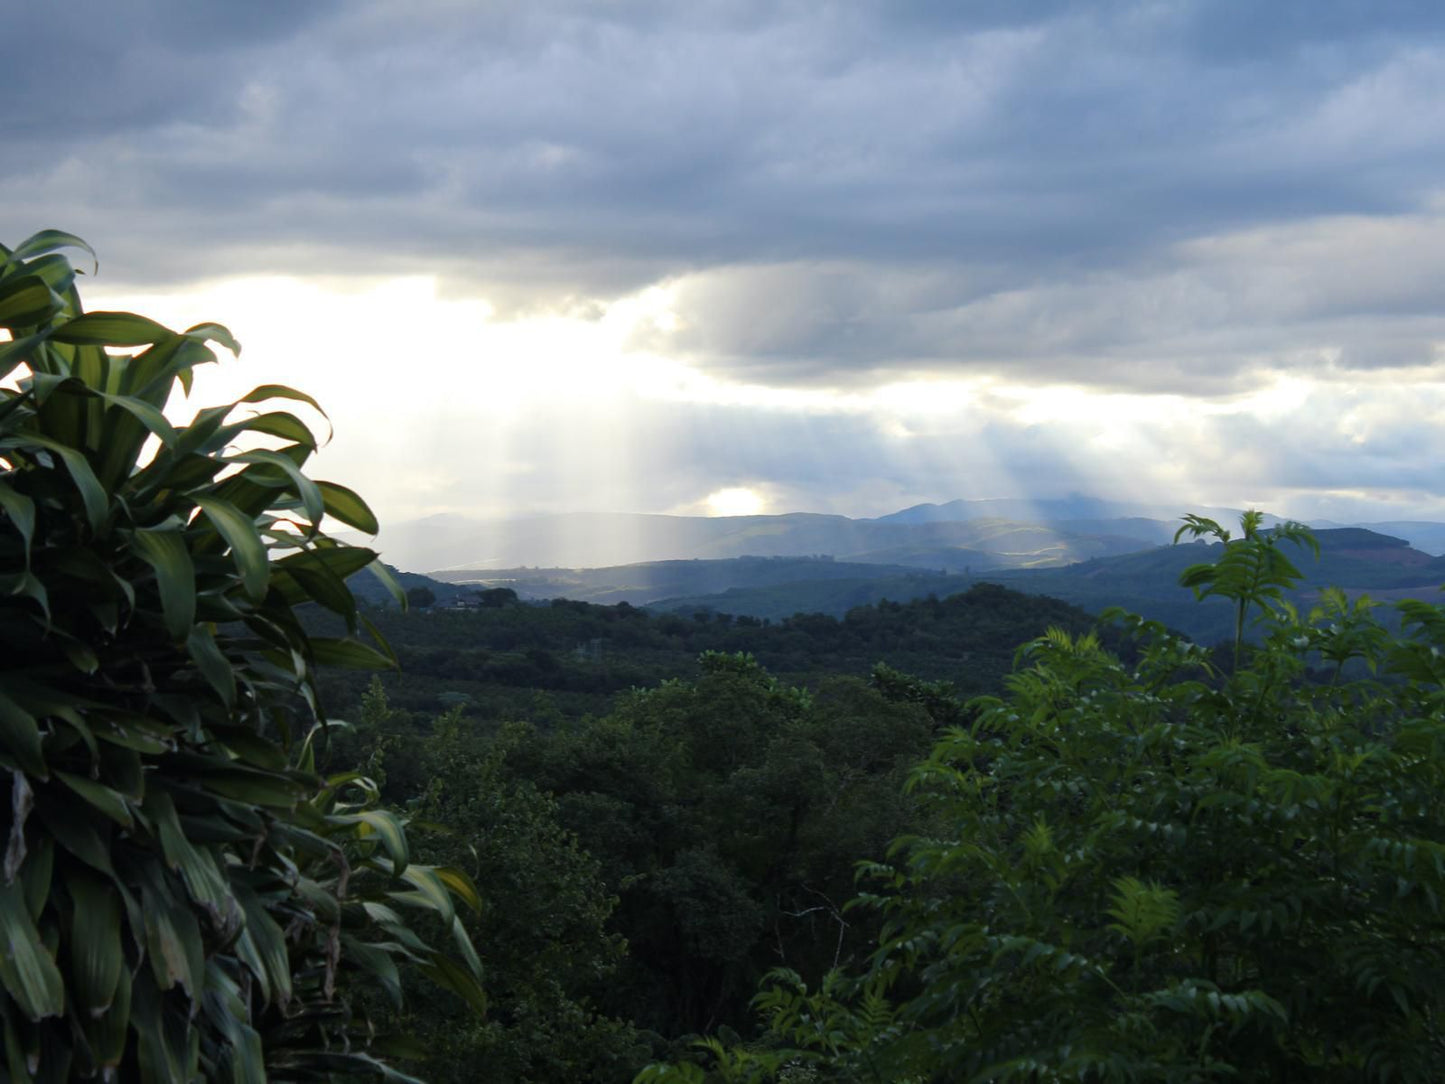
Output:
(1146, 582)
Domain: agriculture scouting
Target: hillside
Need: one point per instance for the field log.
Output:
(1146, 582)
(641, 584)
(566, 659)
(487, 548)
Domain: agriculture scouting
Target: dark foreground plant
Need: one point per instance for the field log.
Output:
(1158, 872)
(180, 894)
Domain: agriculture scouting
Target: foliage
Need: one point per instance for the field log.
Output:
(1153, 871)
(582, 656)
(712, 823)
(1252, 571)
(548, 954)
(726, 813)
(421, 597)
(181, 894)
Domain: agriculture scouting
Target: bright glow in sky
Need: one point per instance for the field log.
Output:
(736, 501)
(866, 256)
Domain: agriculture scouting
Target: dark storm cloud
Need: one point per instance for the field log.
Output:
(841, 191)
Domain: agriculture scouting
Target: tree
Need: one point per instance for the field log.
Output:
(548, 950)
(421, 597)
(725, 813)
(181, 895)
(1155, 871)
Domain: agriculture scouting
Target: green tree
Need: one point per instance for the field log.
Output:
(421, 597)
(181, 895)
(549, 955)
(1153, 871)
(726, 813)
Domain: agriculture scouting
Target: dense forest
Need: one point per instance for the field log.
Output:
(689, 796)
(510, 659)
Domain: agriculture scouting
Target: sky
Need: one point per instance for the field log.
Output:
(727, 257)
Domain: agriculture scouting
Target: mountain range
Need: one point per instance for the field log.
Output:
(1086, 551)
(951, 537)
(959, 536)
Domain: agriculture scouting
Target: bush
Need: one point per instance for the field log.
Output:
(181, 894)
(1160, 872)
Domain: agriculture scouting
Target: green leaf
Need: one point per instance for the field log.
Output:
(108, 1033)
(431, 891)
(387, 580)
(92, 494)
(99, 797)
(278, 424)
(247, 549)
(173, 937)
(83, 837)
(451, 975)
(163, 1048)
(96, 957)
(111, 329)
(147, 415)
(21, 510)
(313, 581)
(264, 946)
(280, 391)
(344, 504)
(347, 653)
(27, 301)
(306, 489)
(339, 561)
(216, 333)
(20, 737)
(27, 970)
(197, 867)
(38, 244)
(13, 353)
(460, 885)
(165, 551)
(385, 825)
(378, 965)
(214, 667)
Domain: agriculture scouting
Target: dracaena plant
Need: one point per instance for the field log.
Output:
(181, 895)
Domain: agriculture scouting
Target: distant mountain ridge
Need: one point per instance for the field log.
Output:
(956, 536)
(1090, 562)
(1145, 582)
(596, 540)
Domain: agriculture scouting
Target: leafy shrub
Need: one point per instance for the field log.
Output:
(181, 895)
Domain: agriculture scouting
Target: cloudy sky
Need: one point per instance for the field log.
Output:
(728, 256)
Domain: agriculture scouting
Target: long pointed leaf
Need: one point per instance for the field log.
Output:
(27, 972)
(21, 511)
(38, 244)
(165, 551)
(99, 797)
(20, 737)
(306, 489)
(111, 329)
(27, 301)
(147, 415)
(92, 494)
(280, 391)
(344, 504)
(247, 549)
(96, 957)
(385, 825)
